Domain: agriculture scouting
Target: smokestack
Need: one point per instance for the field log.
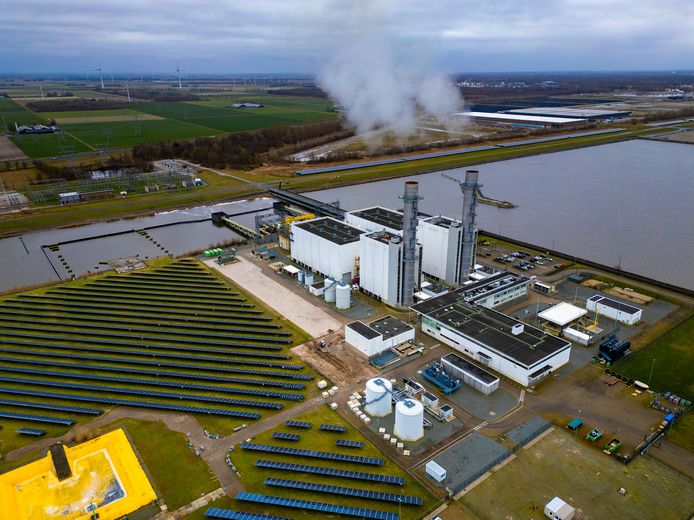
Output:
(409, 238)
(470, 189)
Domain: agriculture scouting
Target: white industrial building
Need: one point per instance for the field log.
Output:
(441, 239)
(470, 374)
(557, 509)
(614, 309)
(496, 289)
(377, 336)
(522, 353)
(376, 218)
(326, 246)
(381, 266)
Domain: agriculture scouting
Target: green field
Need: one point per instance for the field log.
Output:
(92, 113)
(315, 439)
(48, 145)
(11, 113)
(672, 353)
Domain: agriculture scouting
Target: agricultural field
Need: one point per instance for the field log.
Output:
(49, 145)
(11, 112)
(173, 336)
(98, 116)
(253, 477)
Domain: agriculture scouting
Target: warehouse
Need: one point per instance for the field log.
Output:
(614, 309)
(578, 113)
(441, 239)
(326, 246)
(381, 269)
(496, 341)
(376, 219)
(471, 374)
(378, 335)
(503, 119)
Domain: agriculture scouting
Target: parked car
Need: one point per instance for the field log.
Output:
(594, 434)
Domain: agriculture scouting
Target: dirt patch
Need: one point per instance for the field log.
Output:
(9, 150)
(105, 119)
(335, 359)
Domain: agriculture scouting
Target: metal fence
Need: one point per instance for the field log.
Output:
(526, 432)
(459, 486)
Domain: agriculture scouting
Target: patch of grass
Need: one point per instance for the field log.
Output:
(674, 357)
(13, 113)
(48, 145)
(682, 433)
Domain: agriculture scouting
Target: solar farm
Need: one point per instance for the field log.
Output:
(325, 471)
(172, 338)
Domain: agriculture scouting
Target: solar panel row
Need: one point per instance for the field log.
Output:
(349, 444)
(316, 506)
(148, 393)
(230, 514)
(126, 402)
(317, 470)
(53, 407)
(298, 424)
(313, 454)
(34, 432)
(338, 490)
(333, 428)
(37, 418)
(285, 436)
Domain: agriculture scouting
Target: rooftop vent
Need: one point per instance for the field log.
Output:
(517, 329)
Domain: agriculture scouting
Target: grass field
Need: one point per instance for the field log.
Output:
(672, 353)
(315, 439)
(11, 113)
(584, 477)
(49, 145)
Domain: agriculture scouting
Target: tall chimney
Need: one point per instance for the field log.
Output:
(470, 188)
(409, 238)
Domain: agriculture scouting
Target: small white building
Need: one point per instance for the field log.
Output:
(377, 336)
(441, 239)
(326, 246)
(557, 509)
(562, 314)
(435, 471)
(614, 309)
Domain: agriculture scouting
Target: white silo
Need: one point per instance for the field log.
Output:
(409, 420)
(308, 278)
(377, 400)
(300, 277)
(342, 296)
(330, 290)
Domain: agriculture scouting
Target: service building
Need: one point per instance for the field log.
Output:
(614, 309)
(377, 336)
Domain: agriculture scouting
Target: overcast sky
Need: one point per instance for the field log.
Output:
(255, 36)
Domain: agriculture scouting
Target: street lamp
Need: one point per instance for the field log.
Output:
(651, 373)
(577, 427)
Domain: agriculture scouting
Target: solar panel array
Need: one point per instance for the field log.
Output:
(285, 436)
(331, 472)
(313, 454)
(338, 490)
(317, 506)
(349, 444)
(54, 407)
(298, 424)
(333, 428)
(37, 418)
(230, 514)
(34, 432)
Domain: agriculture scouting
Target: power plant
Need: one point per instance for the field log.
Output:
(470, 188)
(409, 238)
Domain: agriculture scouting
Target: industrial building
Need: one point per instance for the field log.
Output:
(495, 290)
(614, 309)
(503, 119)
(496, 341)
(470, 374)
(577, 113)
(326, 246)
(378, 335)
(441, 239)
(375, 219)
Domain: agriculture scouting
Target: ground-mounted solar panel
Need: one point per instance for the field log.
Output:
(331, 472)
(298, 424)
(339, 490)
(53, 407)
(316, 506)
(349, 444)
(333, 428)
(230, 514)
(33, 432)
(127, 402)
(37, 418)
(285, 436)
(326, 455)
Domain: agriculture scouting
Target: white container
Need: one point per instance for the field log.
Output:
(409, 420)
(378, 391)
(406, 453)
(401, 445)
(331, 392)
(334, 388)
(367, 420)
(343, 298)
(381, 430)
(308, 278)
(435, 471)
(330, 290)
(393, 441)
(322, 384)
(325, 395)
(386, 437)
(333, 406)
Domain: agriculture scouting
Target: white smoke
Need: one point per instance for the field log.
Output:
(379, 87)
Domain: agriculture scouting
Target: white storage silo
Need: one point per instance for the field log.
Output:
(409, 420)
(308, 278)
(330, 290)
(342, 296)
(378, 397)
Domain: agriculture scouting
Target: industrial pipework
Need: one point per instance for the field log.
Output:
(411, 200)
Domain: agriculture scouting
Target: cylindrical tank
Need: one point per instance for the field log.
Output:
(300, 276)
(378, 397)
(330, 290)
(308, 278)
(409, 420)
(342, 296)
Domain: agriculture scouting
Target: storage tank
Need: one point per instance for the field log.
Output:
(308, 278)
(330, 290)
(409, 420)
(342, 296)
(300, 276)
(378, 402)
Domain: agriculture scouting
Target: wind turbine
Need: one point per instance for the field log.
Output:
(127, 89)
(101, 77)
(178, 71)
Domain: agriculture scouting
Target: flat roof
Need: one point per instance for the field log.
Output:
(442, 221)
(518, 117)
(567, 112)
(363, 330)
(470, 368)
(562, 313)
(615, 304)
(381, 216)
(384, 237)
(492, 329)
(389, 326)
(486, 286)
(330, 229)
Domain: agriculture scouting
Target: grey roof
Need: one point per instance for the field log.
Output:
(442, 221)
(384, 237)
(363, 330)
(470, 368)
(569, 112)
(389, 326)
(614, 304)
(381, 216)
(332, 230)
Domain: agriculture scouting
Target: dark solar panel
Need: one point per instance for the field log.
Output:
(332, 472)
(338, 490)
(36, 418)
(53, 407)
(333, 428)
(285, 436)
(34, 432)
(349, 444)
(298, 424)
(313, 454)
(230, 514)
